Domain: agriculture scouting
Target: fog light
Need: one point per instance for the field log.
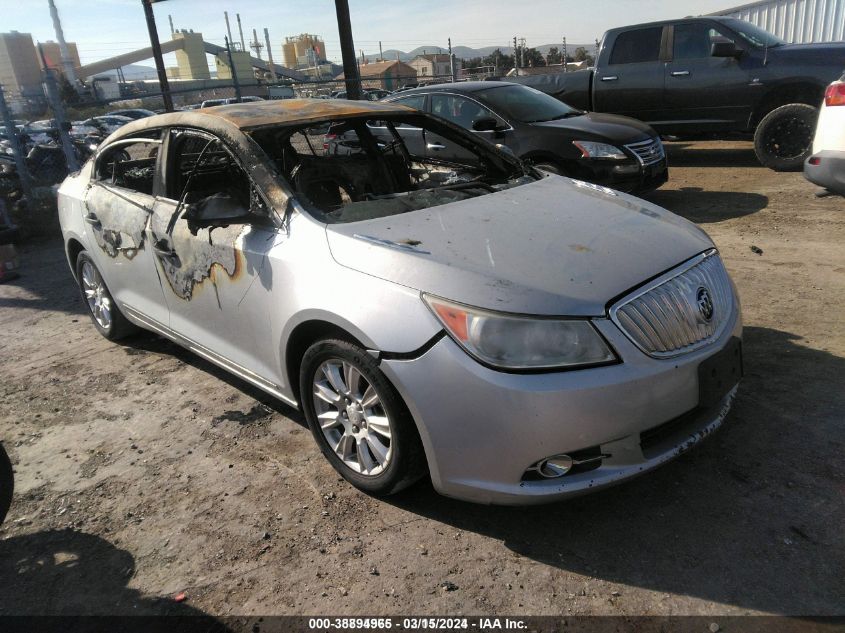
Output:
(556, 466)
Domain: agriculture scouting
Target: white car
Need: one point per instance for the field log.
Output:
(826, 166)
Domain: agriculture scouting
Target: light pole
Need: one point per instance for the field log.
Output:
(156, 46)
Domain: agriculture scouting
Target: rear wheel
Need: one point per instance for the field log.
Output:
(358, 419)
(783, 140)
(106, 316)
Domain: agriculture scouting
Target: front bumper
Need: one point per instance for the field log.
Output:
(628, 176)
(482, 429)
(829, 172)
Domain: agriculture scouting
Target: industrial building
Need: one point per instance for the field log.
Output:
(303, 50)
(20, 72)
(190, 59)
(53, 55)
(795, 21)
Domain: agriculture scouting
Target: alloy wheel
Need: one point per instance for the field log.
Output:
(352, 418)
(97, 295)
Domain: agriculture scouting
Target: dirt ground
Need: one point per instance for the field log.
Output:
(143, 471)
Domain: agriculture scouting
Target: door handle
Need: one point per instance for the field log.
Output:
(680, 73)
(610, 78)
(94, 221)
(435, 146)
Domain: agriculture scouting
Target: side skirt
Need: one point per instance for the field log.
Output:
(251, 377)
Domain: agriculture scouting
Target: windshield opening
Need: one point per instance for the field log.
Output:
(754, 35)
(525, 104)
(365, 168)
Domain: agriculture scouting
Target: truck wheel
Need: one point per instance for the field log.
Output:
(783, 140)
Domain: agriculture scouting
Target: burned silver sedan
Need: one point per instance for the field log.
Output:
(518, 336)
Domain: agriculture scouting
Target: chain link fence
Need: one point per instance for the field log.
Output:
(42, 140)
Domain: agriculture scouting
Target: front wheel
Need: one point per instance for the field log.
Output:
(783, 140)
(358, 419)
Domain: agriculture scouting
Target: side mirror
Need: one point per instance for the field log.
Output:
(724, 48)
(487, 124)
(218, 210)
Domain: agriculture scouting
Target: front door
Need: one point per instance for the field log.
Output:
(118, 206)
(218, 281)
(702, 90)
(463, 112)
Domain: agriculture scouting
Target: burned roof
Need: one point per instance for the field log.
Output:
(258, 114)
(249, 116)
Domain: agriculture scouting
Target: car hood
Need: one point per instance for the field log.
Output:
(552, 247)
(829, 54)
(596, 126)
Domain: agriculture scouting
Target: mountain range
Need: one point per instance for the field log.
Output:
(465, 52)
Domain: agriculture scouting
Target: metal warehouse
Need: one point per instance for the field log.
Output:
(796, 21)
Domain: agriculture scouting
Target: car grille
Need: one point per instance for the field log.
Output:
(649, 151)
(668, 316)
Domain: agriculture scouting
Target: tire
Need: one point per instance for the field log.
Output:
(379, 458)
(7, 483)
(783, 140)
(116, 326)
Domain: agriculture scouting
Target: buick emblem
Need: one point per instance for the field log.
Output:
(705, 304)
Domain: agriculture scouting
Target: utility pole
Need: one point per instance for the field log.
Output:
(256, 45)
(347, 49)
(380, 53)
(564, 54)
(452, 61)
(163, 84)
(232, 68)
(270, 56)
(515, 58)
(58, 113)
(17, 150)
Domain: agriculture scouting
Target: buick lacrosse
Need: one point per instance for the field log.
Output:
(517, 336)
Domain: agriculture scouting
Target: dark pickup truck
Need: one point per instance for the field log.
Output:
(709, 76)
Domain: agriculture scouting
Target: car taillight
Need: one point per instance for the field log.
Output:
(835, 94)
(327, 138)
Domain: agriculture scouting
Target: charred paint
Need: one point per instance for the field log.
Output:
(212, 255)
(122, 221)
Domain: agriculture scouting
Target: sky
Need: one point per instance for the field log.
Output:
(103, 28)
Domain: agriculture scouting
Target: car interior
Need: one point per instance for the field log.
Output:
(360, 169)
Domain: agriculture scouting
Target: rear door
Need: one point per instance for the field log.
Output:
(702, 90)
(632, 83)
(118, 206)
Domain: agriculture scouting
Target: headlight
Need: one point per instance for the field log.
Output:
(522, 343)
(591, 149)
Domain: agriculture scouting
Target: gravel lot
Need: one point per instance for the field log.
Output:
(143, 471)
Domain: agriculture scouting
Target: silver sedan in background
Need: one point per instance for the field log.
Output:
(517, 336)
